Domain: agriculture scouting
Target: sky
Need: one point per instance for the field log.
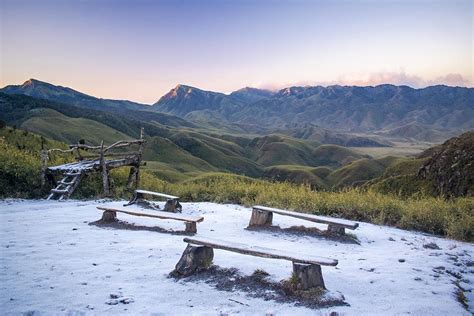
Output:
(140, 49)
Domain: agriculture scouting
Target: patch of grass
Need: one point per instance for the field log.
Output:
(451, 218)
(260, 274)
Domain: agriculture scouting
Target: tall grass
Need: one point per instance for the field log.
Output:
(450, 218)
(19, 177)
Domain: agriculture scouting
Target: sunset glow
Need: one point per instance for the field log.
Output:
(139, 50)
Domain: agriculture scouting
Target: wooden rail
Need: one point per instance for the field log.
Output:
(95, 162)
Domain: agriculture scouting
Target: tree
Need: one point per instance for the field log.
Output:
(3, 124)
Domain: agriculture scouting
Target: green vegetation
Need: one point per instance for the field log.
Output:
(20, 167)
(55, 125)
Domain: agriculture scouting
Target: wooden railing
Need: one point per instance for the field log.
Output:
(100, 152)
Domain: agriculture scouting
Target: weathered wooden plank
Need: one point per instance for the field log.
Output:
(261, 252)
(156, 214)
(309, 217)
(171, 197)
(58, 191)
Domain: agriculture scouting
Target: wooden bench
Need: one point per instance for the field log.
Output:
(110, 215)
(199, 255)
(263, 216)
(172, 202)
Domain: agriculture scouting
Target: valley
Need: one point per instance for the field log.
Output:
(192, 132)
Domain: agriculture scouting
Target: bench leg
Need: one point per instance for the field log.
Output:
(260, 218)
(194, 258)
(191, 227)
(109, 216)
(173, 206)
(133, 199)
(308, 276)
(337, 230)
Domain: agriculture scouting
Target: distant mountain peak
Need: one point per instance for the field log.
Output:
(32, 82)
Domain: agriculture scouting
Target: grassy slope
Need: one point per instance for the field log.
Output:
(334, 156)
(57, 126)
(181, 153)
(19, 177)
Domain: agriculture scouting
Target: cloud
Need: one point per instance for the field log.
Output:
(377, 78)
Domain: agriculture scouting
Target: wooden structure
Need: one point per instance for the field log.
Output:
(110, 215)
(263, 216)
(172, 202)
(199, 255)
(92, 159)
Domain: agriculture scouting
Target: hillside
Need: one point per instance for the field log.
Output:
(342, 108)
(176, 150)
(445, 170)
(450, 166)
(47, 91)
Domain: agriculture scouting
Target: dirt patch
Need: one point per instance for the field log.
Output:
(118, 224)
(257, 285)
(348, 238)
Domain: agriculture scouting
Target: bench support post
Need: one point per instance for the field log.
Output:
(191, 227)
(260, 218)
(194, 258)
(337, 230)
(173, 205)
(308, 276)
(109, 216)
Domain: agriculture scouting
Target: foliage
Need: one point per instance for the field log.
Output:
(20, 177)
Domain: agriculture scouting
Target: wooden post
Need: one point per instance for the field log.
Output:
(131, 175)
(139, 160)
(194, 258)
(260, 218)
(337, 230)
(44, 165)
(105, 174)
(308, 276)
(191, 227)
(109, 216)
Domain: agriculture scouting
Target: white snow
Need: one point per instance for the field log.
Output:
(53, 262)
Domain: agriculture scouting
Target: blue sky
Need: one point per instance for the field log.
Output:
(139, 50)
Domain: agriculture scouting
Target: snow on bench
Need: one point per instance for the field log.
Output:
(172, 202)
(199, 254)
(169, 197)
(263, 216)
(110, 215)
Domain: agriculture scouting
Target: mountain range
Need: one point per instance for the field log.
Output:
(343, 115)
(253, 132)
(397, 111)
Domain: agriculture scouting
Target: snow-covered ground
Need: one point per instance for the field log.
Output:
(53, 262)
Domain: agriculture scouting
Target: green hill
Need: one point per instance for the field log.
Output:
(55, 125)
(295, 174)
(274, 150)
(334, 156)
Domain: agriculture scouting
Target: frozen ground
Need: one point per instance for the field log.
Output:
(53, 262)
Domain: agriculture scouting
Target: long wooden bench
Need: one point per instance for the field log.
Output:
(263, 216)
(172, 202)
(199, 255)
(110, 215)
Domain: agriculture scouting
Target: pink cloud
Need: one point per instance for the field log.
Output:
(377, 78)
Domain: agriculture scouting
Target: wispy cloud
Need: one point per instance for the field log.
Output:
(377, 78)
